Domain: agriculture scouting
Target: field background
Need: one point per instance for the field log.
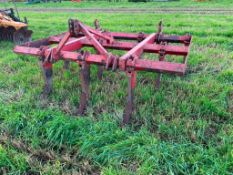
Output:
(185, 127)
(226, 4)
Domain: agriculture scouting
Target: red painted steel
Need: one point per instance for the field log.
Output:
(80, 35)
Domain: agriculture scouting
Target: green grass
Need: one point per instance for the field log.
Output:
(125, 4)
(185, 127)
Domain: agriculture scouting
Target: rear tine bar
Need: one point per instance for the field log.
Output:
(123, 45)
(185, 39)
(163, 38)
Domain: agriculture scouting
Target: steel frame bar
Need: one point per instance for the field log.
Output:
(80, 35)
(139, 65)
(133, 36)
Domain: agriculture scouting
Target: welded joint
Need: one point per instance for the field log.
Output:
(132, 59)
(162, 54)
(82, 56)
(188, 41)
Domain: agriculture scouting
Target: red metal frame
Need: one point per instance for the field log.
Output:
(80, 35)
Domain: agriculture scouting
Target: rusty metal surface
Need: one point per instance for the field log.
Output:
(47, 74)
(85, 82)
(69, 49)
(130, 98)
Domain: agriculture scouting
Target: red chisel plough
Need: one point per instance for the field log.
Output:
(69, 48)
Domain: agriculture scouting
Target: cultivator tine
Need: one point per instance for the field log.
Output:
(128, 111)
(97, 25)
(100, 72)
(158, 80)
(160, 28)
(161, 58)
(115, 63)
(80, 35)
(66, 65)
(161, 53)
(109, 61)
(84, 81)
(47, 74)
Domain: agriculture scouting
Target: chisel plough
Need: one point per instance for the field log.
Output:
(68, 47)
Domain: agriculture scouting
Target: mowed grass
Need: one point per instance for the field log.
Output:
(125, 4)
(185, 127)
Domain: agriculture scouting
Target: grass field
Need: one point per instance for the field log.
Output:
(124, 4)
(185, 127)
